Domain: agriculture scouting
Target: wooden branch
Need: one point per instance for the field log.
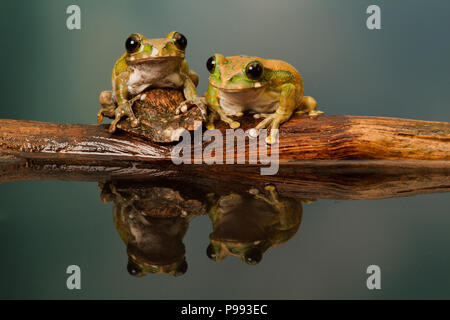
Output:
(302, 138)
(341, 157)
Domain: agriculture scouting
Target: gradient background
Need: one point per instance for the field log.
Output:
(53, 74)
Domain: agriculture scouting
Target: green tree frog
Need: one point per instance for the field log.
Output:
(148, 63)
(246, 225)
(271, 89)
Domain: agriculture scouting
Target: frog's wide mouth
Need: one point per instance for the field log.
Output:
(237, 89)
(151, 59)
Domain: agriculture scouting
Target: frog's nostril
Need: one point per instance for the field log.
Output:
(154, 52)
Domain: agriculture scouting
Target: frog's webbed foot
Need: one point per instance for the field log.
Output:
(273, 120)
(272, 196)
(311, 113)
(261, 115)
(219, 115)
(121, 111)
(308, 106)
(124, 201)
(199, 102)
(106, 101)
(233, 124)
(105, 111)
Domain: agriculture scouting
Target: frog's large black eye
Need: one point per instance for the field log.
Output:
(133, 43)
(254, 70)
(210, 252)
(134, 269)
(253, 256)
(180, 41)
(182, 268)
(211, 64)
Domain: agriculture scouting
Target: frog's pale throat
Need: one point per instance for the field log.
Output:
(258, 100)
(155, 73)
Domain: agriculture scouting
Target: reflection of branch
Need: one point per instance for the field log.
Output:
(340, 157)
(354, 179)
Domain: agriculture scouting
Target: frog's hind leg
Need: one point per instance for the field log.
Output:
(107, 102)
(121, 111)
(308, 106)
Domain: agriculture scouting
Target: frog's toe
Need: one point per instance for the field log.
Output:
(253, 132)
(314, 113)
(187, 104)
(182, 108)
(234, 124)
(99, 116)
(261, 115)
(265, 123)
(273, 137)
(112, 127)
(134, 122)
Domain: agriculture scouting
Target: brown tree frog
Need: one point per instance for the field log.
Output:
(271, 89)
(148, 63)
(152, 222)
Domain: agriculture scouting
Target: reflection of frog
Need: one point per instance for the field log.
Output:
(246, 226)
(152, 222)
(272, 89)
(148, 63)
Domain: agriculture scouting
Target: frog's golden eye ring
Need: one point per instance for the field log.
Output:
(134, 269)
(253, 256)
(211, 253)
(211, 64)
(180, 41)
(254, 70)
(133, 43)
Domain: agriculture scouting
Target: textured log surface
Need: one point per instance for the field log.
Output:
(302, 138)
(341, 157)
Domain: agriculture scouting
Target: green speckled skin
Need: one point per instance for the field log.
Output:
(275, 95)
(157, 63)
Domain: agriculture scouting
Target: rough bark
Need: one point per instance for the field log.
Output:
(342, 157)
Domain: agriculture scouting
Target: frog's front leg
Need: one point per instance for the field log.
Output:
(272, 198)
(216, 113)
(282, 114)
(192, 99)
(124, 106)
(190, 92)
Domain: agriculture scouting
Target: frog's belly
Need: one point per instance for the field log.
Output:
(255, 100)
(160, 74)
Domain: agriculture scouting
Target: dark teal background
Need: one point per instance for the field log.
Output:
(52, 74)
